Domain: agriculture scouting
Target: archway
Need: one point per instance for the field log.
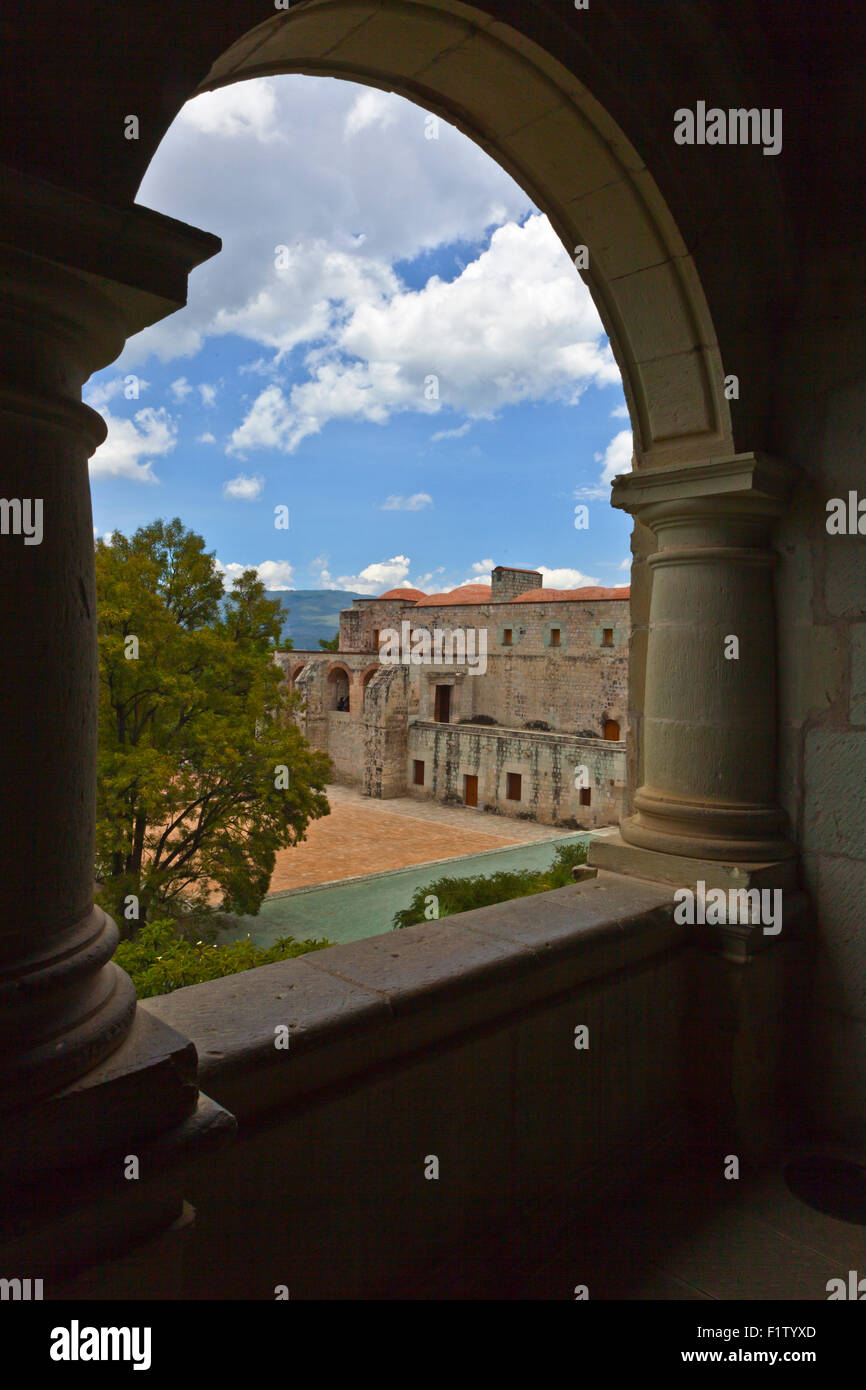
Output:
(339, 686)
(545, 129)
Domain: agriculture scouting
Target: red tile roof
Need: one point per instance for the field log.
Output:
(410, 595)
(467, 593)
(570, 595)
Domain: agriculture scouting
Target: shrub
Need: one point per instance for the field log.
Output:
(159, 959)
(464, 894)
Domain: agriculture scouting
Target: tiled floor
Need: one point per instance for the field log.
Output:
(363, 836)
(685, 1235)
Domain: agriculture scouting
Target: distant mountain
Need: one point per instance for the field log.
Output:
(313, 613)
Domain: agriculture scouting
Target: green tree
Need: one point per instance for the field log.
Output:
(201, 775)
(330, 644)
(463, 894)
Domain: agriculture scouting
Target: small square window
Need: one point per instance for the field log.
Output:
(418, 777)
(555, 636)
(607, 637)
(586, 796)
(507, 637)
(513, 786)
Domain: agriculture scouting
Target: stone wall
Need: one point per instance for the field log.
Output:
(359, 624)
(385, 733)
(546, 764)
(573, 687)
(821, 600)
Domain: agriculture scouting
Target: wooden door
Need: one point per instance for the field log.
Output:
(470, 791)
(442, 708)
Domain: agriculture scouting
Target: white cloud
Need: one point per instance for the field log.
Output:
(207, 438)
(481, 572)
(416, 503)
(274, 574)
(148, 434)
(436, 193)
(372, 107)
(566, 578)
(621, 413)
(625, 564)
(180, 389)
(243, 109)
(452, 434)
(378, 577)
(244, 488)
(319, 567)
(616, 459)
(617, 456)
(208, 393)
(269, 425)
(97, 396)
(377, 350)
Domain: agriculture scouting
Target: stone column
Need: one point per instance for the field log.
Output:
(63, 1005)
(709, 725)
(76, 279)
(85, 1076)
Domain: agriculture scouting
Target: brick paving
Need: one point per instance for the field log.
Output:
(364, 836)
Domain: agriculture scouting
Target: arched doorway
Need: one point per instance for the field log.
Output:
(339, 687)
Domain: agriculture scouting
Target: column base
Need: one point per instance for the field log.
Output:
(710, 830)
(737, 941)
(72, 1201)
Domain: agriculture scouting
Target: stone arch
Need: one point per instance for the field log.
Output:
(339, 686)
(544, 128)
(295, 672)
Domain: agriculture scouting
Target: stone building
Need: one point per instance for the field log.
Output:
(532, 723)
(732, 288)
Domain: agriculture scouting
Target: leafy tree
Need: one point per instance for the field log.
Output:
(201, 776)
(330, 644)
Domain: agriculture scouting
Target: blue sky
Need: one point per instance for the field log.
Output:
(393, 344)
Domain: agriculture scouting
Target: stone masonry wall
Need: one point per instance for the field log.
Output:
(573, 688)
(546, 764)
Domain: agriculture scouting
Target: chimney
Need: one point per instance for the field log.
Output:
(506, 584)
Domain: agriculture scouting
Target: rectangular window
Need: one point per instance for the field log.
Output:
(607, 637)
(585, 796)
(418, 773)
(554, 636)
(506, 637)
(513, 786)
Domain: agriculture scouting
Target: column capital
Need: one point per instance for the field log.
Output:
(746, 484)
(138, 259)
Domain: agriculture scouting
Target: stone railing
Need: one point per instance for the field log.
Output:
(397, 1097)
